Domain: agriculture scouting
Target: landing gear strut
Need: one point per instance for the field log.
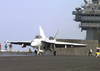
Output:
(38, 53)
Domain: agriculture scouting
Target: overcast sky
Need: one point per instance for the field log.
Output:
(20, 20)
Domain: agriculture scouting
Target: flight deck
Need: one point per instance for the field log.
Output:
(50, 63)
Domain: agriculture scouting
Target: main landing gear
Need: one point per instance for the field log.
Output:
(39, 53)
(53, 52)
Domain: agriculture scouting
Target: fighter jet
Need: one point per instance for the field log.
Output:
(43, 44)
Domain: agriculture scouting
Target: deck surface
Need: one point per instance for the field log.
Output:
(49, 63)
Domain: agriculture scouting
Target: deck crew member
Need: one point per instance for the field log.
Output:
(6, 46)
(10, 46)
(0, 47)
(90, 52)
(30, 50)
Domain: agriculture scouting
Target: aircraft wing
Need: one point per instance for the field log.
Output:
(69, 44)
(62, 44)
(27, 43)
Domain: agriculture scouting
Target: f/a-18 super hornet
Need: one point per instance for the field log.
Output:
(43, 44)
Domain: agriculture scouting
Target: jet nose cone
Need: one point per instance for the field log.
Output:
(36, 43)
(33, 44)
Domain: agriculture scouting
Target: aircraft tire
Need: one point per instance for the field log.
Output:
(35, 51)
(39, 53)
(54, 53)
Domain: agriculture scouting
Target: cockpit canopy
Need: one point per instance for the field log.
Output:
(38, 37)
(51, 38)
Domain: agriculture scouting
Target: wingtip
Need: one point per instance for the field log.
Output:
(6, 41)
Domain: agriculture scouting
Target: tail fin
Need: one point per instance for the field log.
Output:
(57, 33)
(42, 32)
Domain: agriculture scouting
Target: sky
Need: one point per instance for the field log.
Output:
(20, 20)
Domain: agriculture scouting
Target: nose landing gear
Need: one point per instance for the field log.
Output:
(37, 53)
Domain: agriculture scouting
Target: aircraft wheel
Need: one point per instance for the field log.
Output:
(54, 53)
(40, 53)
(35, 51)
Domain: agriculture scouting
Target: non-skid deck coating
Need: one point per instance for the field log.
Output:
(49, 63)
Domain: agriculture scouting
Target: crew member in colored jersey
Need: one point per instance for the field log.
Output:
(6, 46)
(90, 52)
(0, 47)
(30, 50)
(10, 46)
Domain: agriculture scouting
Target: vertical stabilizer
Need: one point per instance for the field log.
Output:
(57, 33)
(42, 32)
